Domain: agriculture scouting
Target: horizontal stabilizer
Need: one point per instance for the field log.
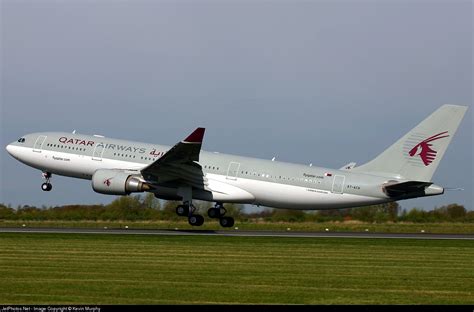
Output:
(349, 166)
(398, 189)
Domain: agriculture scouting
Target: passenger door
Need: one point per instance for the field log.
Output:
(39, 144)
(233, 170)
(98, 151)
(338, 184)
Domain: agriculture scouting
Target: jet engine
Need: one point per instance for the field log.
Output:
(118, 182)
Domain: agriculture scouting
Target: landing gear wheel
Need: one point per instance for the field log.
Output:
(226, 221)
(46, 187)
(196, 220)
(182, 210)
(213, 213)
(218, 211)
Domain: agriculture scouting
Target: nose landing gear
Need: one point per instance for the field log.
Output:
(47, 186)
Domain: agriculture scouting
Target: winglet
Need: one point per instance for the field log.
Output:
(196, 136)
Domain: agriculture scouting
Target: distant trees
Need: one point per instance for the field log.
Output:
(6, 213)
(147, 207)
(377, 213)
(289, 215)
(449, 213)
(122, 208)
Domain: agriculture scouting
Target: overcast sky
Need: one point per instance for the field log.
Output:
(322, 82)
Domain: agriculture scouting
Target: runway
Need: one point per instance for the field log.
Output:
(238, 233)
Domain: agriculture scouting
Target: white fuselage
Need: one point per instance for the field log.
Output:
(230, 179)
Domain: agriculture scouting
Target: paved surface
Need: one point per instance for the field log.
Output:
(237, 233)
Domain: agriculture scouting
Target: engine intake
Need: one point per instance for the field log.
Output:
(117, 182)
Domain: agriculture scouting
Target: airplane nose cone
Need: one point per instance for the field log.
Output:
(9, 149)
(12, 150)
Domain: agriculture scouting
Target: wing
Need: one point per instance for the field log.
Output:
(179, 165)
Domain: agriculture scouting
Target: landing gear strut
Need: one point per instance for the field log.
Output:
(46, 187)
(187, 208)
(218, 212)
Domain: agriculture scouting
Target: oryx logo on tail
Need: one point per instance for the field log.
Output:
(424, 150)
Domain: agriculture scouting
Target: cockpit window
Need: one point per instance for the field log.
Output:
(21, 140)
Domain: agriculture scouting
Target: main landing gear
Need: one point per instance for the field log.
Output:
(47, 186)
(217, 212)
(187, 209)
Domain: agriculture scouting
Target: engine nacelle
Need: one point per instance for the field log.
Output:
(117, 182)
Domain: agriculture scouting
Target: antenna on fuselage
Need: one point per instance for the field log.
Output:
(311, 164)
(74, 131)
(273, 159)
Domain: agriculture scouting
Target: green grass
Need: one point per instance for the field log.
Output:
(141, 269)
(350, 226)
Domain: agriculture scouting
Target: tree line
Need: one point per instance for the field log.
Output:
(148, 208)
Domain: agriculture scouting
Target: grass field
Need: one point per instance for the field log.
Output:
(348, 226)
(140, 269)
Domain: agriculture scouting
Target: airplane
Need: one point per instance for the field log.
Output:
(184, 172)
